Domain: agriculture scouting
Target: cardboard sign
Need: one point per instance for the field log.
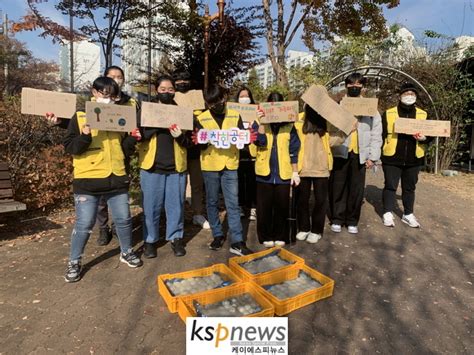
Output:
(161, 115)
(192, 99)
(317, 97)
(38, 102)
(361, 106)
(282, 111)
(223, 138)
(109, 117)
(429, 128)
(248, 112)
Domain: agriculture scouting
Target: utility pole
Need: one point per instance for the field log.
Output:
(5, 66)
(71, 44)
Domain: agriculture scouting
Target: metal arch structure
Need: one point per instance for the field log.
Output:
(388, 73)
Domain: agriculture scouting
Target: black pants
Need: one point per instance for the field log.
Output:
(273, 205)
(102, 220)
(318, 216)
(247, 184)
(409, 177)
(346, 190)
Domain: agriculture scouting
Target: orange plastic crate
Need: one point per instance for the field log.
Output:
(172, 301)
(186, 307)
(288, 305)
(235, 262)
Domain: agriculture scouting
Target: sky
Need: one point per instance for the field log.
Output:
(450, 17)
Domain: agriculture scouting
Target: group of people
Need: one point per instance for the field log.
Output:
(281, 159)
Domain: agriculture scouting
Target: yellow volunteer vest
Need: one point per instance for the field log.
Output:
(302, 136)
(103, 157)
(390, 143)
(213, 159)
(354, 143)
(147, 152)
(262, 163)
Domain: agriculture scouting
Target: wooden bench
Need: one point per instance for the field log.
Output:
(7, 204)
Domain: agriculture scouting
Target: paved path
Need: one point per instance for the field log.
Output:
(397, 290)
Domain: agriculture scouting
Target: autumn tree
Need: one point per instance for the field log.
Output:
(320, 20)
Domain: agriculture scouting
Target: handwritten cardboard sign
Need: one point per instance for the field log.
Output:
(224, 138)
(193, 99)
(282, 111)
(109, 117)
(317, 97)
(248, 112)
(161, 115)
(429, 128)
(38, 102)
(361, 106)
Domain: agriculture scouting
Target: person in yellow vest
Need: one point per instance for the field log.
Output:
(359, 152)
(276, 168)
(183, 84)
(162, 159)
(105, 232)
(315, 163)
(219, 170)
(402, 157)
(99, 171)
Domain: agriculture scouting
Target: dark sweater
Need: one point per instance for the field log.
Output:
(405, 153)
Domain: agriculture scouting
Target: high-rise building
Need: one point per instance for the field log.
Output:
(86, 64)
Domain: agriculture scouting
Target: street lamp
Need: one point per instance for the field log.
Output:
(207, 23)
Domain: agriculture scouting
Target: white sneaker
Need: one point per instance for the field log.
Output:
(253, 214)
(200, 220)
(388, 220)
(353, 229)
(302, 235)
(269, 244)
(410, 219)
(313, 238)
(280, 243)
(336, 228)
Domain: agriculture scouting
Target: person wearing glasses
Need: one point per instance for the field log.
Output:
(99, 172)
(162, 159)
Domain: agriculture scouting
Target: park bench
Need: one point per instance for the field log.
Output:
(7, 203)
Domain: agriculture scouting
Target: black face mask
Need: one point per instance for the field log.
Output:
(183, 87)
(165, 98)
(218, 109)
(353, 91)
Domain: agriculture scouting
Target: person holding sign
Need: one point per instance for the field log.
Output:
(162, 159)
(276, 168)
(219, 170)
(315, 162)
(99, 171)
(402, 157)
(246, 171)
(183, 85)
(360, 151)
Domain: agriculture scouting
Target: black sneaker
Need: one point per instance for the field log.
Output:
(149, 250)
(240, 249)
(216, 243)
(178, 247)
(73, 271)
(105, 236)
(131, 259)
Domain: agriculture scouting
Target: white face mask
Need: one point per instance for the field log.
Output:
(244, 100)
(408, 100)
(104, 100)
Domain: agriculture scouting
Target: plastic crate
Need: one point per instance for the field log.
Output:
(235, 262)
(172, 301)
(288, 305)
(186, 308)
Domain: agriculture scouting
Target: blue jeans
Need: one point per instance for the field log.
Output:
(228, 180)
(86, 212)
(158, 191)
